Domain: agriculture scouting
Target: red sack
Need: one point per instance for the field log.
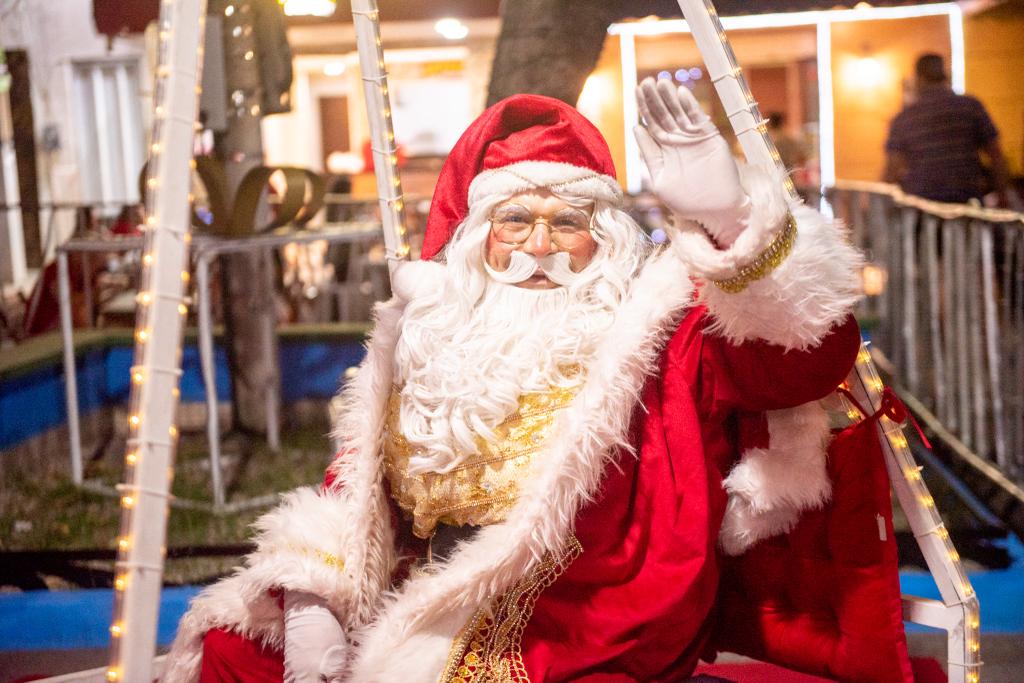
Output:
(824, 599)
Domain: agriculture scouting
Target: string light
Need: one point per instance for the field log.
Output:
(173, 129)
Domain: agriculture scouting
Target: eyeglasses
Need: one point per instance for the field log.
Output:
(513, 224)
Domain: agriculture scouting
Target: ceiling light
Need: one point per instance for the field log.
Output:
(311, 8)
(452, 29)
(334, 68)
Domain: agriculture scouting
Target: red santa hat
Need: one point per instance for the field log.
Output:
(523, 142)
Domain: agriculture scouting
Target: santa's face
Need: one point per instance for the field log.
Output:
(540, 225)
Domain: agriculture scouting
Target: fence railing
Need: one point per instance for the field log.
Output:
(946, 304)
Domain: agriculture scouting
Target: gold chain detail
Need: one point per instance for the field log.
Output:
(488, 649)
(765, 262)
(330, 559)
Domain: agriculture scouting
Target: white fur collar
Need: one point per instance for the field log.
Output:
(412, 634)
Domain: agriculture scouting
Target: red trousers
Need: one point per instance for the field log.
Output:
(231, 658)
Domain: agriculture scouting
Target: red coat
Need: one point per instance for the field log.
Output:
(638, 604)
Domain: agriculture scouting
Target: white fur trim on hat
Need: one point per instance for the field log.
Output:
(531, 175)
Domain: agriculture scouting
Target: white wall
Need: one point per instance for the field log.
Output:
(56, 34)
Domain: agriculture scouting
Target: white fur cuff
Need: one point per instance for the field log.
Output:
(795, 306)
(303, 543)
(770, 487)
(531, 175)
(769, 209)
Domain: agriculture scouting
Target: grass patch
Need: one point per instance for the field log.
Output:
(50, 513)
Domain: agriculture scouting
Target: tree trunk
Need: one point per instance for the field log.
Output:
(248, 278)
(548, 47)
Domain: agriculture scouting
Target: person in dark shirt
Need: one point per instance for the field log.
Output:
(935, 144)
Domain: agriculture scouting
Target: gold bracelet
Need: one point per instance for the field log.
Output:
(765, 262)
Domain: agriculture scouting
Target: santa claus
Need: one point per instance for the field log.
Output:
(560, 429)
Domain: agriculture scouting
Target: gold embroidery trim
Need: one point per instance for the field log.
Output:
(481, 490)
(765, 262)
(488, 648)
(330, 559)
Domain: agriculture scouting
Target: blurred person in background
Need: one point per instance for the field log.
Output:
(791, 149)
(937, 142)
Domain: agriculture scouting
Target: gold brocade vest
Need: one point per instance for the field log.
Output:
(484, 488)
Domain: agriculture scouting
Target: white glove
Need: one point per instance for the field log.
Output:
(692, 169)
(315, 647)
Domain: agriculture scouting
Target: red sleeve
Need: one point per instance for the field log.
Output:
(757, 376)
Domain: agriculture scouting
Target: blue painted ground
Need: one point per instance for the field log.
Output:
(54, 620)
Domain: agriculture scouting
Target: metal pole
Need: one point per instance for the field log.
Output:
(934, 314)
(988, 277)
(949, 414)
(366, 20)
(910, 312)
(207, 362)
(159, 328)
(977, 339)
(963, 301)
(70, 371)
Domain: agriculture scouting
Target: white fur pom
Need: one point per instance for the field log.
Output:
(770, 487)
(414, 278)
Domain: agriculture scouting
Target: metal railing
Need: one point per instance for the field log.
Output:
(946, 304)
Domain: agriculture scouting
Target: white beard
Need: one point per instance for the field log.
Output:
(465, 377)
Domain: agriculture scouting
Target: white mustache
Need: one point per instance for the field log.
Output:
(522, 266)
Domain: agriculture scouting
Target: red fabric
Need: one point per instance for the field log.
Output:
(519, 128)
(925, 671)
(114, 17)
(231, 658)
(757, 672)
(825, 598)
(637, 604)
